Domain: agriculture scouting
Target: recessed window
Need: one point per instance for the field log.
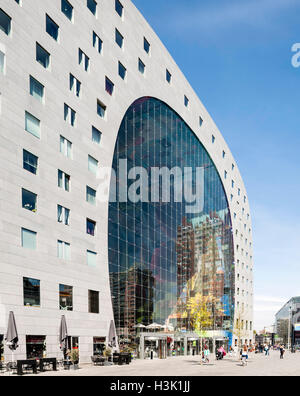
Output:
(29, 200)
(90, 227)
(225, 174)
(96, 135)
(30, 162)
(67, 9)
(63, 250)
(63, 215)
(119, 38)
(36, 89)
(32, 124)
(91, 258)
(223, 154)
(213, 139)
(122, 71)
(97, 42)
(63, 180)
(146, 45)
(5, 22)
(119, 7)
(92, 6)
(52, 28)
(186, 101)
(168, 76)
(42, 56)
(92, 165)
(28, 239)
(109, 86)
(101, 109)
(2, 62)
(75, 85)
(31, 292)
(90, 195)
(65, 147)
(83, 59)
(232, 183)
(65, 298)
(141, 66)
(200, 121)
(93, 301)
(69, 115)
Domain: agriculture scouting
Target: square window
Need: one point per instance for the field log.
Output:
(96, 135)
(5, 22)
(168, 76)
(28, 239)
(2, 62)
(101, 109)
(75, 85)
(52, 28)
(109, 86)
(119, 7)
(31, 292)
(83, 59)
(146, 45)
(90, 227)
(119, 38)
(36, 89)
(29, 200)
(141, 66)
(91, 258)
(63, 180)
(65, 298)
(69, 115)
(67, 9)
(92, 6)
(122, 71)
(63, 250)
(97, 42)
(63, 215)
(93, 301)
(42, 56)
(65, 147)
(32, 124)
(90, 195)
(30, 162)
(92, 165)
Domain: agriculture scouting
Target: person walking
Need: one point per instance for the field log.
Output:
(244, 357)
(206, 354)
(282, 350)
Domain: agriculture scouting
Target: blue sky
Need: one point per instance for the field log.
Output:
(237, 55)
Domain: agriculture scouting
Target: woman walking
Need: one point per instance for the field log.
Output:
(282, 350)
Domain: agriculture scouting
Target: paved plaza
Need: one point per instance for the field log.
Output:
(258, 365)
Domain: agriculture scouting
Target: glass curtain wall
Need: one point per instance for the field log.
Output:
(160, 255)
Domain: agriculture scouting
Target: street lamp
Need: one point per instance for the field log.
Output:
(289, 328)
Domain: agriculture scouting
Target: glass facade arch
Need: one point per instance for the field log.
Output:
(163, 250)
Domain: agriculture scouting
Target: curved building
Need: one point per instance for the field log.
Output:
(92, 107)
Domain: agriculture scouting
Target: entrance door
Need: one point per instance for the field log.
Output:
(35, 346)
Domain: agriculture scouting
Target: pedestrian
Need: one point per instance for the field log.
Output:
(282, 350)
(206, 354)
(244, 357)
(266, 350)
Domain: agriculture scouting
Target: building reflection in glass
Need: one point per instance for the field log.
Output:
(160, 255)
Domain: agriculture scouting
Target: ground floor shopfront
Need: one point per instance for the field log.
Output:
(164, 345)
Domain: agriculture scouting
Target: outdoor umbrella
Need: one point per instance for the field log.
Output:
(63, 334)
(112, 335)
(12, 334)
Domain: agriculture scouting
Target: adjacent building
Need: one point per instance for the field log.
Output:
(86, 87)
(287, 323)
